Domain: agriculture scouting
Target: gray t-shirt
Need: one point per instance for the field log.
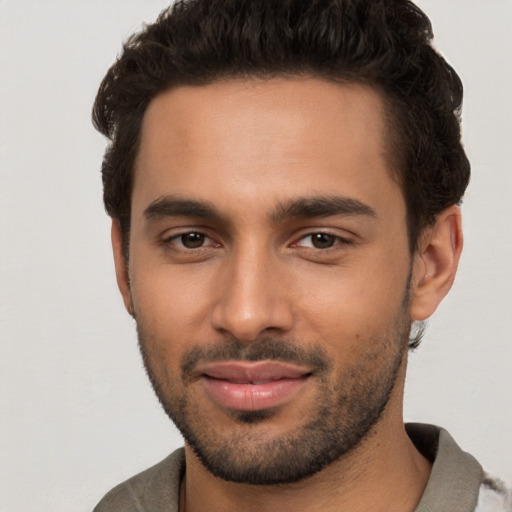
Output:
(457, 482)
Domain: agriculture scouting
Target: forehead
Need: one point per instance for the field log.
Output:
(260, 141)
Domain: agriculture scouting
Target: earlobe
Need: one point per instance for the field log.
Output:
(435, 263)
(123, 281)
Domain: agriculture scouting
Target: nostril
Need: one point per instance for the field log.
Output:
(249, 327)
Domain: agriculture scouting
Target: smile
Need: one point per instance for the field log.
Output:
(252, 386)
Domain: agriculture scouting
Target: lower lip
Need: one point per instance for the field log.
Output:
(253, 397)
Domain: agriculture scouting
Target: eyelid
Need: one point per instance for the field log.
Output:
(170, 236)
(341, 239)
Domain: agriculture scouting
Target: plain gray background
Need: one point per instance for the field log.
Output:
(77, 415)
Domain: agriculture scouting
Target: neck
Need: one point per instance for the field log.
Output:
(385, 471)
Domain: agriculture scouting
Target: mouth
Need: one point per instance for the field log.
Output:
(253, 386)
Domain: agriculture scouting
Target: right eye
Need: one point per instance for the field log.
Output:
(192, 240)
(189, 241)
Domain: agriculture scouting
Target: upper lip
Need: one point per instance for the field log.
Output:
(251, 372)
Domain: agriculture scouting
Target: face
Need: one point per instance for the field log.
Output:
(269, 271)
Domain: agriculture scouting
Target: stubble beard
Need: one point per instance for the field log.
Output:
(344, 414)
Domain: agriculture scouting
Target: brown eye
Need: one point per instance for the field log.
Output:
(192, 240)
(322, 240)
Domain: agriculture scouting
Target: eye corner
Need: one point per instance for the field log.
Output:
(321, 241)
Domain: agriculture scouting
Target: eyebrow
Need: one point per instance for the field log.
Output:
(172, 206)
(300, 208)
(322, 206)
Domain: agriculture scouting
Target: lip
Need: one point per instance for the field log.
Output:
(252, 386)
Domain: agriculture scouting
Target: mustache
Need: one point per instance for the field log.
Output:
(264, 349)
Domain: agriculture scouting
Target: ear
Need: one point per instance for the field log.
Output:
(435, 263)
(123, 280)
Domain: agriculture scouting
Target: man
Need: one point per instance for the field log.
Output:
(284, 178)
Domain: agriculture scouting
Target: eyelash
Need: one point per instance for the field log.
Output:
(174, 240)
(336, 239)
(177, 242)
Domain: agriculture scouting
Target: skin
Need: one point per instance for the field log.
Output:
(247, 148)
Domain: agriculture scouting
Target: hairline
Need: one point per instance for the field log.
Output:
(393, 150)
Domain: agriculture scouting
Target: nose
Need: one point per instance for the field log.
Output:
(252, 299)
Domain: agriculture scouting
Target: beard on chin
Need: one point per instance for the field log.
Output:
(346, 408)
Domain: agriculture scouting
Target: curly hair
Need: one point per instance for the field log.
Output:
(385, 44)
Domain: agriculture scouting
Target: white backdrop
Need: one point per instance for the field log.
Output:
(77, 415)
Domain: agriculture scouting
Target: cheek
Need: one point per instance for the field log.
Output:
(171, 304)
(351, 303)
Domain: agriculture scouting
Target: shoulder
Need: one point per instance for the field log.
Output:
(494, 496)
(457, 481)
(156, 488)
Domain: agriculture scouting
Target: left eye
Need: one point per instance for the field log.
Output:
(319, 240)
